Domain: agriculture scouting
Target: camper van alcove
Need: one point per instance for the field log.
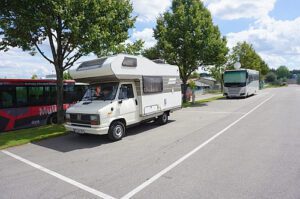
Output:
(124, 90)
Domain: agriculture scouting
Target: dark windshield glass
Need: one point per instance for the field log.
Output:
(103, 91)
(235, 77)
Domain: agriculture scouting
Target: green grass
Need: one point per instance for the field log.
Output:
(213, 92)
(200, 102)
(24, 136)
(273, 86)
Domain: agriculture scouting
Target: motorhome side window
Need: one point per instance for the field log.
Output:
(129, 62)
(96, 63)
(152, 84)
(126, 91)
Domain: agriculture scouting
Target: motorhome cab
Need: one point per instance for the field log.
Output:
(124, 90)
(240, 83)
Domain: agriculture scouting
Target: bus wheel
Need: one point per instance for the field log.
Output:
(163, 119)
(116, 131)
(52, 119)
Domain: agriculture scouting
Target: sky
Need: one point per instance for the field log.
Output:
(272, 26)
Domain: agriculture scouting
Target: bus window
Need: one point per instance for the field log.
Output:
(7, 97)
(69, 94)
(21, 95)
(36, 95)
(53, 95)
(47, 95)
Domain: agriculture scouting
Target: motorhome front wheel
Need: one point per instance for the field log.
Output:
(116, 131)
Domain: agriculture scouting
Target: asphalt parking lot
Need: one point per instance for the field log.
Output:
(239, 148)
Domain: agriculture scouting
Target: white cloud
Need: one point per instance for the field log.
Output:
(277, 41)
(18, 64)
(145, 35)
(236, 9)
(148, 10)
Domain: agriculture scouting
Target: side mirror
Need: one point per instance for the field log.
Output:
(120, 101)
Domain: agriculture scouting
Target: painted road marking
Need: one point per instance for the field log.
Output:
(59, 176)
(212, 112)
(176, 163)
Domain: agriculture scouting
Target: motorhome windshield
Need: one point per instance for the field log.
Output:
(103, 91)
(235, 77)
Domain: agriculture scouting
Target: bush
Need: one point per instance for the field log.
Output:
(271, 77)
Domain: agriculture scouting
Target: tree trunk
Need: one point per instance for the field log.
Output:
(184, 83)
(60, 97)
(222, 85)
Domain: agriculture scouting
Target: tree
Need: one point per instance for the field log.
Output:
(67, 75)
(298, 78)
(271, 77)
(217, 73)
(195, 75)
(34, 76)
(187, 37)
(152, 53)
(249, 59)
(71, 28)
(283, 72)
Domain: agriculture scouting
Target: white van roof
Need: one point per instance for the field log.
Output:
(121, 67)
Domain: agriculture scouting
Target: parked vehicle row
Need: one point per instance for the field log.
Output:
(124, 90)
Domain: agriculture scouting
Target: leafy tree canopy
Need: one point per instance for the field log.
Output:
(248, 57)
(34, 76)
(271, 77)
(187, 37)
(152, 53)
(283, 72)
(67, 75)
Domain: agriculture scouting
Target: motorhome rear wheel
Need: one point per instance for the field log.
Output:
(163, 119)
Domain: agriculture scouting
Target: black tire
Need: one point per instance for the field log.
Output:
(116, 131)
(52, 119)
(163, 119)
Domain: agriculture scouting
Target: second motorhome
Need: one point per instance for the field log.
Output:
(240, 83)
(124, 90)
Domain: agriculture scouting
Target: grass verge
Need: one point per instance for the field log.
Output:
(200, 102)
(24, 136)
(274, 86)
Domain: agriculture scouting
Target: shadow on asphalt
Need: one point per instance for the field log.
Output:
(72, 141)
(199, 105)
(236, 98)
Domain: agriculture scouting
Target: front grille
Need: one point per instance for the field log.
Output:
(234, 91)
(80, 118)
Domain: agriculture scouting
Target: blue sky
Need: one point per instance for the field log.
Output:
(272, 26)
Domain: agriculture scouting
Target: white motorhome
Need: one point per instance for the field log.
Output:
(240, 83)
(124, 90)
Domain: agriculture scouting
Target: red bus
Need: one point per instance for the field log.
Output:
(27, 103)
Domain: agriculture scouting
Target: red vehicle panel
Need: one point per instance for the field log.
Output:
(29, 103)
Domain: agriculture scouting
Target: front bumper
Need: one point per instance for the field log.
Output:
(95, 131)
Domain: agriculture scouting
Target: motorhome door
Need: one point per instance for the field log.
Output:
(128, 106)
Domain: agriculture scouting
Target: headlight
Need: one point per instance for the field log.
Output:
(95, 120)
(68, 117)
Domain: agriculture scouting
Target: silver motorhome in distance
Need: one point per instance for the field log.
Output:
(125, 90)
(240, 83)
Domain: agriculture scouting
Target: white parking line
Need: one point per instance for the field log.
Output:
(212, 112)
(59, 176)
(176, 163)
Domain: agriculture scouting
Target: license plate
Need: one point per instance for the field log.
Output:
(79, 131)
